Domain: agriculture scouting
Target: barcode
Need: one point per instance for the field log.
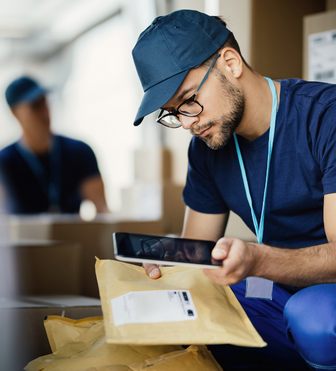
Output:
(324, 75)
(185, 296)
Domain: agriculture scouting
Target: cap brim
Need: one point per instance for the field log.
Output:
(34, 95)
(31, 96)
(158, 95)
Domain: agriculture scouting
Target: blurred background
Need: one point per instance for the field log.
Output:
(80, 50)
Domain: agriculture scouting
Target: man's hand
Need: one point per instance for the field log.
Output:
(239, 261)
(152, 270)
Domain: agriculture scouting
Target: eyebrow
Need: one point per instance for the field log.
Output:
(180, 96)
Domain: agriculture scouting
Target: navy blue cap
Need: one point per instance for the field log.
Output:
(168, 49)
(23, 89)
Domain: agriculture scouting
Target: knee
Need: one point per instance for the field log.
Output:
(310, 318)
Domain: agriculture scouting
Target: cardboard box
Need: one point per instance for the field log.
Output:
(23, 337)
(44, 267)
(316, 24)
(94, 237)
(331, 5)
(276, 36)
(173, 208)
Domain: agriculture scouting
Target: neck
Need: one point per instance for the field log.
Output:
(258, 107)
(38, 144)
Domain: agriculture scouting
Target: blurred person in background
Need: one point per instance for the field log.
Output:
(44, 172)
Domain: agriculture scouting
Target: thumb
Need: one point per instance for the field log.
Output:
(221, 250)
(152, 271)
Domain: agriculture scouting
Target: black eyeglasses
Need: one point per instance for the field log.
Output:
(189, 107)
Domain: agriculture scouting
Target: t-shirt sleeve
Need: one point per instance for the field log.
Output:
(201, 193)
(90, 167)
(78, 159)
(325, 149)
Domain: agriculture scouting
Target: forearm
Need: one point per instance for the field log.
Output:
(296, 267)
(204, 226)
(93, 189)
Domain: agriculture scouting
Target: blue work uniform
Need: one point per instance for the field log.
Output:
(298, 324)
(28, 178)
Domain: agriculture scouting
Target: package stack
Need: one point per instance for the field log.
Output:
(319, 45)
(154, 195)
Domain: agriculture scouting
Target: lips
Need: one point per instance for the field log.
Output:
(204, 133)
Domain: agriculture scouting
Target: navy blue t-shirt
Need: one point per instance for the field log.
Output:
(302, 170)
(24, 190)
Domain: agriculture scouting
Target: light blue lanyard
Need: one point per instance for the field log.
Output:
(260, 229)
(52, 186)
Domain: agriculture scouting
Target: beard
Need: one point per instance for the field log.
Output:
(227, 123)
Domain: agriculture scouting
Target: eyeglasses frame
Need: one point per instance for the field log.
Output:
(192, 98)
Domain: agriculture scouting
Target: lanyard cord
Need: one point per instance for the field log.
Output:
(50, 187)
(260, 229)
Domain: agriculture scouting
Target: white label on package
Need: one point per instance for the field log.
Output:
(153, 307)
(322, 57)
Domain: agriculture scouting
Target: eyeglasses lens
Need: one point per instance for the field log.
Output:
(169, 120)
(190, 108)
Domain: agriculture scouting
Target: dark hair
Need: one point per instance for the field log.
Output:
(230, 42)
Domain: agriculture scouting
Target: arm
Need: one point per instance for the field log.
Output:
(93, 189)
(201, 226)
(297, 267)
(197, 226)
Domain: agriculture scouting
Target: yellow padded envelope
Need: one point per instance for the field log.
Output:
(90, 350)
(61, 330)
(220, 317)
(194, 358)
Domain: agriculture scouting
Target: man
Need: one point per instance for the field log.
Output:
(266, 150)
(43, 172)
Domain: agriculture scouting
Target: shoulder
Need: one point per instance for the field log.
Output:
(311, 92)
(307, 103)
(70, 142)
(8, 153)
(73, 145)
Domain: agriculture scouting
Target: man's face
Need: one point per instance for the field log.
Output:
(223, 104)
(33, 116)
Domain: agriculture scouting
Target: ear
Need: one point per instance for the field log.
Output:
(14, 111)
(18, 111)
(233, 62)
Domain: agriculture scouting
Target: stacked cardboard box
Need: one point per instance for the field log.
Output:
(42, 267)
(94, 238)
(23, 337)
(319, 46)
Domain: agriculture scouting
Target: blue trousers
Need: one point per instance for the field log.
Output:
(298, 326)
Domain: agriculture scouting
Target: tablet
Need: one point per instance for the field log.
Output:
(143, 248)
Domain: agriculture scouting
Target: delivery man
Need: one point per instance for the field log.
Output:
(267, 151)
(44, 172)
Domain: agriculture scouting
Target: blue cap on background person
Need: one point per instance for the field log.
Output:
(168, 49)
(23, 89)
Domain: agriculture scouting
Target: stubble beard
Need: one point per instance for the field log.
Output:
(227, 123)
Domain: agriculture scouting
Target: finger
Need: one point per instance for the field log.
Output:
(233, 267)
(152, 271)
(221, 250)
(218, 276)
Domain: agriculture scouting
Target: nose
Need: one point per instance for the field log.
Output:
(188, 122)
